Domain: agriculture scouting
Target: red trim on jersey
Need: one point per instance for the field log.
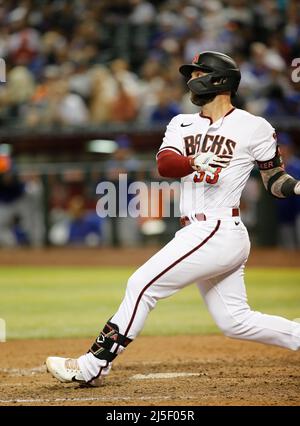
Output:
(166, 270)
(172, 165)
(209, 118)
(206, 116)
(229, 112)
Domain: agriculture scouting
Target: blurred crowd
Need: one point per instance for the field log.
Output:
(80, 62)
(85, 62)
(21, 205)
(62, 208)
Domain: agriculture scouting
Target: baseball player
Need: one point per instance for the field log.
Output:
(213, 152)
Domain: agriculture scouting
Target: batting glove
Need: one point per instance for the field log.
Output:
(208, 162)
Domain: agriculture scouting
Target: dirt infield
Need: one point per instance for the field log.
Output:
(218, 371)
(214, 370)
(127, 257)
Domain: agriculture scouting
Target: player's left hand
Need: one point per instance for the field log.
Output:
(208, 162)
(220, 161)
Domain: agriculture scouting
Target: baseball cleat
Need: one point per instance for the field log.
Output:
(67, 370)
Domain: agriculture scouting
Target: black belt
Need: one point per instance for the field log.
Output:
(184, 220)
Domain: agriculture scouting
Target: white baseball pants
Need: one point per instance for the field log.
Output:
(213, 254)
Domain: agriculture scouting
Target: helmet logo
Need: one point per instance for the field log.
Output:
(196, 58)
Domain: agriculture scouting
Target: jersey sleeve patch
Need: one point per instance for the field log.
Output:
(276, 161)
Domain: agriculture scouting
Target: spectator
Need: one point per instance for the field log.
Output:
(166, 108)
(289, 209)
(24, 42)
(20, 208)
(275, 103)
(12, 193)
(124, 106)
(84, 226)
(123, 229)
(17, 92)
(122, 74)
(57, 105)
(103, 90)
(123, 159)
(143, 12)
(152, 82)
(67, 107)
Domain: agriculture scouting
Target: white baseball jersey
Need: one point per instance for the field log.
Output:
(243, 137)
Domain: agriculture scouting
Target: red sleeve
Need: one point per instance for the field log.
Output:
(173, 165)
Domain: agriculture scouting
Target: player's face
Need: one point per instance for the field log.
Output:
(197, 73)
(197, 99)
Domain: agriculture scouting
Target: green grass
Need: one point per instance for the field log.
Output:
(75, 302)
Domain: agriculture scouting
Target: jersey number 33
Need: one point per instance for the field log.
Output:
(211, 179)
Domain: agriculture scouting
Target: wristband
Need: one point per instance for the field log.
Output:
(288, 187)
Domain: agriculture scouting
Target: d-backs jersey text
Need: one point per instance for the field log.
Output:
(239, 135)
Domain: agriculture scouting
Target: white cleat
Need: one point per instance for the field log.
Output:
(67, 370)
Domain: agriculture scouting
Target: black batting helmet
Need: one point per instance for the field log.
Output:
(223, 74)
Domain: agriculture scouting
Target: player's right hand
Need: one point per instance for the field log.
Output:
(208, 162)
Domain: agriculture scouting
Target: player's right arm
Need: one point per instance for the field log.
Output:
(267, 155)
(171, 161)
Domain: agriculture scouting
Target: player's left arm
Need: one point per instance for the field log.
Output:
(276, 181)
(265, 151)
